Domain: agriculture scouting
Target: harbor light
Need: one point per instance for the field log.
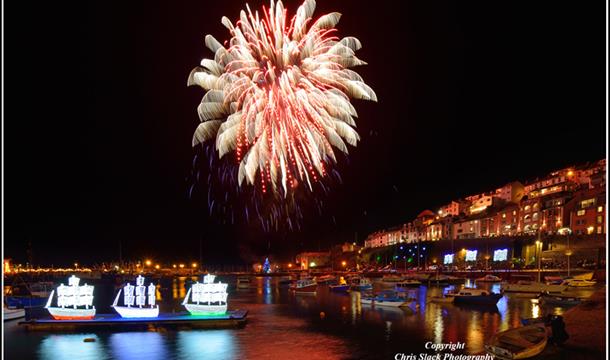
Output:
(174, 266)
(157, 266)
(181, 266)
(194, 264)
(289, 265)
(76, 265)
(343, 263)
(148, 262)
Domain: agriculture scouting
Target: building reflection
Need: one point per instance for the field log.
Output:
(68, 346)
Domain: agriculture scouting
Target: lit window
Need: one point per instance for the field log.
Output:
(503, 215)
(514, 212)
(580, 212)
(535, 206)
(600, 209)
(600, 219)
(599, 229)
(590, 230)
(527, 208)
(586, 203)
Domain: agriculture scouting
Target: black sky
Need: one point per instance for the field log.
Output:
(98, 119)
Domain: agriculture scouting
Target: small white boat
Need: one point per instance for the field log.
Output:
(208, 298)
(12, 314)
(385, 298)
(580, 283)
(476, 296)
(360, 284)
(243, 282)
(518, 343)
(405, 284)
(525, 286)
(74, 302)
(488, 278)
(305, 286)
(140, 310)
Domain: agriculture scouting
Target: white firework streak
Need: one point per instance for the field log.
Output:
(279, 96)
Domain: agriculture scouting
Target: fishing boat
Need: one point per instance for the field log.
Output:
(243, 282)
(360, 284)
(488, 278)
(74, 302)
(12, 314)
(342, 286)
(580, 283)
(140, 310)
(207, 298)
(305, 286)
(405, 284)
(476, 296)
(525, 286)
(385, 298)
(561, 300)
(585, 276)
(518, 343)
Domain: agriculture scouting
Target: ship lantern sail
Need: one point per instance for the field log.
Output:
(74, 302)
(207, 298)
(137, 295)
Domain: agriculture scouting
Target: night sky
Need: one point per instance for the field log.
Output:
(99, 120)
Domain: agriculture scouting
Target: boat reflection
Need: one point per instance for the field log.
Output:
(206, 344)
(138, 345)
(71, 346)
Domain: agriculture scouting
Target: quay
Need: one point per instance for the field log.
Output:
(232, 319)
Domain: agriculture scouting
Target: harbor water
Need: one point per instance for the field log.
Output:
(283, 325)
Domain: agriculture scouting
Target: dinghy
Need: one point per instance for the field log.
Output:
(518, 343)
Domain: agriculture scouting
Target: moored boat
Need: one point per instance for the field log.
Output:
(208, 298)
(488, 278)
(580, 283)
(385, 298)
(525, 286)
(562, 300)
(12, 314)
(518, 343)
(342, 286)
(360, 284)
(305, 286)
(391, 279)
(140, 310)
(325, 279)
(405, 284)
(74, 302)
(476, 296)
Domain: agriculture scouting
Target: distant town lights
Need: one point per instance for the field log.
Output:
(148, 262)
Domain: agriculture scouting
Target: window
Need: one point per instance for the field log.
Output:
(527, 208)
(600, 219)
(587, 203)
(503, 215)
(514, 212)
(600, 209)
(599, 229)
(535, 206)
(580, 212)
(535, 216)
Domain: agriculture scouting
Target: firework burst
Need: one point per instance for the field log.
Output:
(278, 97)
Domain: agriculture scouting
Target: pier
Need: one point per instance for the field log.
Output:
(112, 322)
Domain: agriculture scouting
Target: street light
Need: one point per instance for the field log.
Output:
(181, 266)
(567, 231)
(157, 266)
(194, 265)
(343, 263)
(148, 262)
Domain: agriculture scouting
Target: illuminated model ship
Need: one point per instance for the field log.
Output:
(207, 298)
(140, 310)
(74, 302)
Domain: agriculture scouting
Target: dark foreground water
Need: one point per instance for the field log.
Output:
(282, 325)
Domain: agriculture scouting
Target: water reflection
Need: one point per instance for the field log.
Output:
(71, 346)
(138, 345)
(206, 344)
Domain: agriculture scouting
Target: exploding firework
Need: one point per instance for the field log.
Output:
(278, 97)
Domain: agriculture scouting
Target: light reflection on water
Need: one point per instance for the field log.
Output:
(281, 324)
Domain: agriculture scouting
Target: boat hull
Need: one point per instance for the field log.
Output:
(361, 287)
(137, 312)
(383, 303)
(59, 313)
(339, 288)
(491, 299)
(306, 289)
(12, 314)
(534, 288)
(512, 343)
(24, 301)
(201, 309)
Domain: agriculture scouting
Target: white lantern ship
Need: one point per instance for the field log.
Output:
(135, 305)
(207, 298)
(74, 302)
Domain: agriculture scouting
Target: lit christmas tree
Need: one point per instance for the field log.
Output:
(266, 266)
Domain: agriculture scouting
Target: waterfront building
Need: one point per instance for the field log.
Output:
(309, 260)
(512, 192)
(454, 208)
(588, 215)
(466, 228)
(508, 220)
